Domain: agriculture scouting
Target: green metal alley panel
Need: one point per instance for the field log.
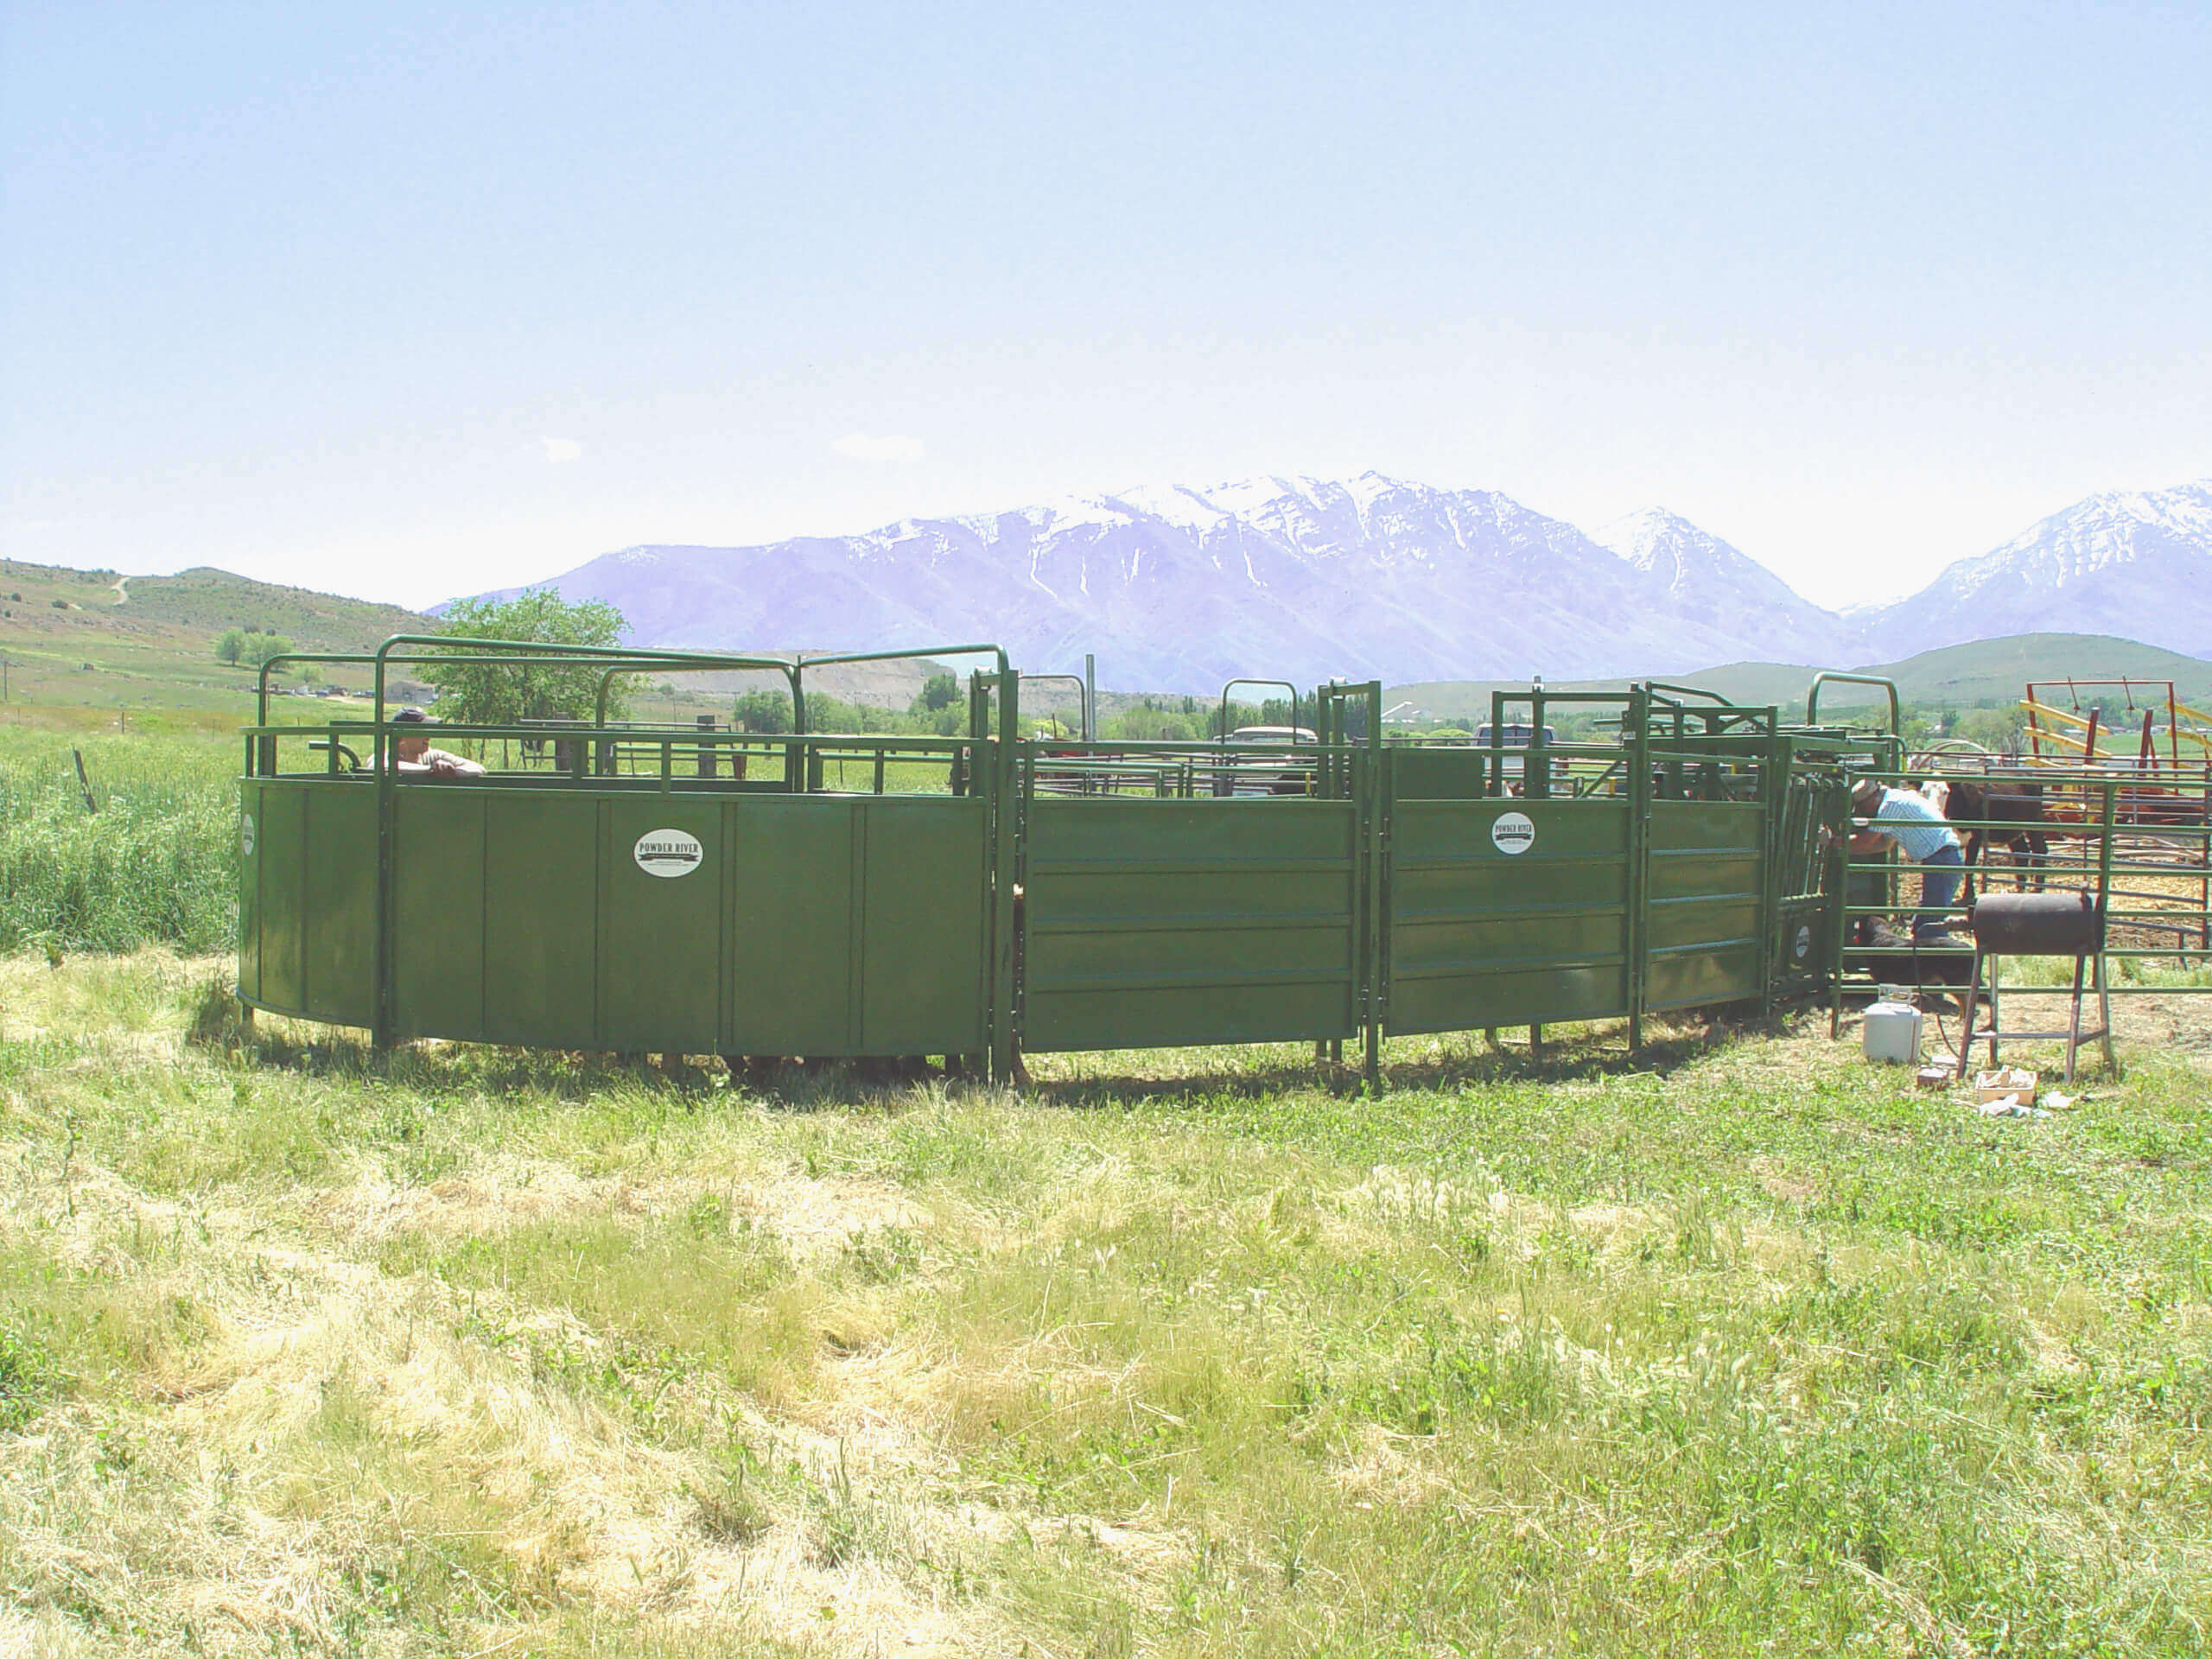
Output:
(857, 925)
(1703, 902)
(922, 946)
(1481, 935)
(1158, 922)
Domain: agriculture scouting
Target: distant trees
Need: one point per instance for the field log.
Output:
(478, 694)
(250, 647)
(940, 707)
(766, 712)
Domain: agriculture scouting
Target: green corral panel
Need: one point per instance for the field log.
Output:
(281, 837)
(1507, 912)
(857, 926)
(922, 990)
(1437, 774)
(1152, 923)
(438, 906)
(661, 872)
(791, 989)
(541, 883)
(339, 906)
(249, 834)
(1703, 928)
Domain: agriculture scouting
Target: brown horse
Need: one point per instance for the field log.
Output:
(2017, 812)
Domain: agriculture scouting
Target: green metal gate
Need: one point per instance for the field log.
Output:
(1159, 922)
(1703, 935)
(1507, 911)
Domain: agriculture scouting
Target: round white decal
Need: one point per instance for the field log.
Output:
(1512, 832)
(667, 852)
(245, 834)
(1803, 948)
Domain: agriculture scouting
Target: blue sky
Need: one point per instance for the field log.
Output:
(408, 300)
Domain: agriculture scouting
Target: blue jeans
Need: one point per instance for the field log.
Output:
(1940, 875)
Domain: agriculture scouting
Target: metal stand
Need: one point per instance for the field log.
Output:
(2073, 1035)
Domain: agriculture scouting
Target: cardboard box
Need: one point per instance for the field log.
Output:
(2005, 1080)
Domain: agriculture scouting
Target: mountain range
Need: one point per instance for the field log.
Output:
(1180, 589)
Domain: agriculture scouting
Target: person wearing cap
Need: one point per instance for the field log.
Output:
(1925, 836)
(412, 754)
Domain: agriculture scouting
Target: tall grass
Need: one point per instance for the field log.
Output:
(156, 863)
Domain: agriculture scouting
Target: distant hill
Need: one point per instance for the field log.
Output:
(1983, 670)
(209, 601)
(92, 638)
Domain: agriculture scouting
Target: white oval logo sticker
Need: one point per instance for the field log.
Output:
(1512, 833)
(245, 834)
(1803, 948)
(667, 852)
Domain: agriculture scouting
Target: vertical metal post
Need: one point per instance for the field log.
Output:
(1639, 840)
(1774, 794)
(1374, 804)
(1005, 793)
(2104, 857)
(1836, 879)
(380, 1013)
(1091, 697)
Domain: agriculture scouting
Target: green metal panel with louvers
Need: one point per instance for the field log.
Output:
(1160, 922)
(1704, 929)
(1507, 911)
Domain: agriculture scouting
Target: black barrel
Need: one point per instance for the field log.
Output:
(2038, 925)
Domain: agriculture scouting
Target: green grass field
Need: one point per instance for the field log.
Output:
(1747, 1349)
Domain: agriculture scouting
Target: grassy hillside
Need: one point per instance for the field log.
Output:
(143, 646)
(1983, 670)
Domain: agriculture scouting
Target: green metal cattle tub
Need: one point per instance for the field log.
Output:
(644, 891)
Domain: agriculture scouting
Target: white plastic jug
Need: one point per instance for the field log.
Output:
(1891, 1032)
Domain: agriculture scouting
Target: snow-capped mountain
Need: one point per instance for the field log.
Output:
(1300, 578)
(1176, 587)
(1703, 578)
(2136, 563)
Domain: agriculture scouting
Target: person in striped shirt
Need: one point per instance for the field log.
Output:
(1923, 834)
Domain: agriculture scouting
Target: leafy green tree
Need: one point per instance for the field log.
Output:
(1994, 728)
(939, 691)
(230, 645)
(480, 694)
(766, 712)
(260, 647)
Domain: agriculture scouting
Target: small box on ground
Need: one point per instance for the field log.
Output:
(2005, 1080)
(1939, 1075)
